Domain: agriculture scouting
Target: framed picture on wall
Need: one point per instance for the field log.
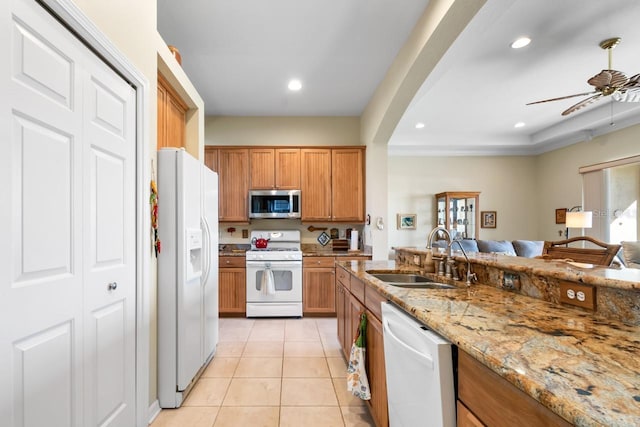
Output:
(488, 219)
(561, 215)
(407, 221)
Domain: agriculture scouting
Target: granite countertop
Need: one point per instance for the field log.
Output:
(584, 368)
(623, 278)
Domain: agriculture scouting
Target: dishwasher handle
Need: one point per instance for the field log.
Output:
(421, 356)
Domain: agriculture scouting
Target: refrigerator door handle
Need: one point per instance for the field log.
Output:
(207, 242)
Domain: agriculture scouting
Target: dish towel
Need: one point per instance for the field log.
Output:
(357, 382)
(268, 286)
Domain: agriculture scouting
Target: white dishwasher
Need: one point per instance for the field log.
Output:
(419, 367)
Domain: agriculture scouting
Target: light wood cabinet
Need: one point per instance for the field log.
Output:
(466, 418)
(351, 292)
(211, 158)
(232, 286)
(274, 168)
(171, 116)
(316, 184)
(233, 176)
(333, 184)
(318, 286)
(376, 372)
(458, 211)
(495, 402)
(347, 184)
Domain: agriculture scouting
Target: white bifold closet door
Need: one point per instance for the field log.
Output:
(67, 226)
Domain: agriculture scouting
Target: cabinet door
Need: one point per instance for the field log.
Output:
(347, 184)
(262, 171)
(319, 291)
(162, 116)
(354, 308)
(316, 184)
(232, 290)
(376, 371)
(287, 168)
(340, 314)
(171, 116)
(233, 175)
(466, 418)
(211, 158)
(176, 127)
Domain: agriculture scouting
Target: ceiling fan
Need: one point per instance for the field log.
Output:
(606, 82)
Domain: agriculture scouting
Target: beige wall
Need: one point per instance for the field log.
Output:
(222, 130)
(560, 184)
(507, 185)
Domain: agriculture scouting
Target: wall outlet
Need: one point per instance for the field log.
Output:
(510, 281)
(245, 234)
(578, 294)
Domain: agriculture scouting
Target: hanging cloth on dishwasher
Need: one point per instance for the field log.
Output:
(267, 286)
(357, 382)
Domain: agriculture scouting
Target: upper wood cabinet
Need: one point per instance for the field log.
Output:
(171, 116)
(315, 174)
(211, 158)
(233, 176)
(274, 168)
(333, 184)
(347, 184)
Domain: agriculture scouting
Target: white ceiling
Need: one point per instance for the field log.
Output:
(240, 55)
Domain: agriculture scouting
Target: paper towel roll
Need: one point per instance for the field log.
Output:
(353, 246)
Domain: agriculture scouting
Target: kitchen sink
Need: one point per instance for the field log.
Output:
(422, 285)
(410, 280)
(400, 277)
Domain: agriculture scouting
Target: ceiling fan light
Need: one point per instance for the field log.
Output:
(521, 42)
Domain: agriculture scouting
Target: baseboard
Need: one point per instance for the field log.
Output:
(153, 411)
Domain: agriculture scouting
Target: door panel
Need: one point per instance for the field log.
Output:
(43, 370)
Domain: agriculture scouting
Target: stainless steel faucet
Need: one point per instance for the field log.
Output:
(470, 276)
(432, 235)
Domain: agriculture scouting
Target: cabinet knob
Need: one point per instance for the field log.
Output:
(112, 286)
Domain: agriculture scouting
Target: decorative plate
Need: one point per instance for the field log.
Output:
(324, 238)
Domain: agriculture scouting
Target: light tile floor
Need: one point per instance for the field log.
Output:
(272, 372)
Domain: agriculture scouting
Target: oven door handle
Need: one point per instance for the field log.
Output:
(273, 265)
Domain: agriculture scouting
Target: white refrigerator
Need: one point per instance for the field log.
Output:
(187, 272)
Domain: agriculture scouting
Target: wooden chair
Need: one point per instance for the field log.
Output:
(600, 256)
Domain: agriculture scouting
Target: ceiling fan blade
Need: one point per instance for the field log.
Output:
(606, 78)
(581, 104)
(563, 97)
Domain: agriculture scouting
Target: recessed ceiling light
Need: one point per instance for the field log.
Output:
(295, 85)
(419, 125)
(519, 125)
(521, 42)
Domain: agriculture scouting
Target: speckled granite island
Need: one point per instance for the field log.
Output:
(582, 365)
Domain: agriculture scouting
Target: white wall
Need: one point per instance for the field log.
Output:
(507, 185)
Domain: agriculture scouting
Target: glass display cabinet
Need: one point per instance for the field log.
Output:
(458, 212)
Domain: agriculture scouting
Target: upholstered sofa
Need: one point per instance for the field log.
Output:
(523, 248)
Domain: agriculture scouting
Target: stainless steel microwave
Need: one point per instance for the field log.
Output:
(274, 204)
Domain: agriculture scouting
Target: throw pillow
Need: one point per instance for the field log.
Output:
(528, 248)
(496, 246)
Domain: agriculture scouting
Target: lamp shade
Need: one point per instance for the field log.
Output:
(579, 219)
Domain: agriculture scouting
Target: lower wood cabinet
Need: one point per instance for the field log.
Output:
(318, 286)
(496, 402)
(466, 417)
(232, 286)
(352, 298)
